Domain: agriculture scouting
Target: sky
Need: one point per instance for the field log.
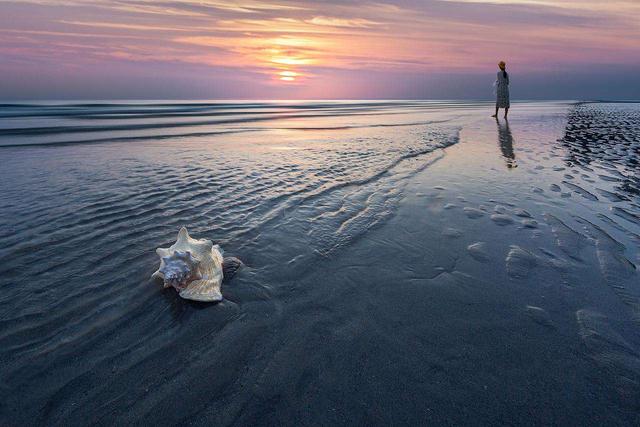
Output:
(322, 49)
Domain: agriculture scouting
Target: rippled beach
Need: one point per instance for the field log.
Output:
(410, 262)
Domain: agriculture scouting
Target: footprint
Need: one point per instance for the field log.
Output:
(478, 251)
(539, 315)
(520, 262)
(473, 213)
(501, 219)
(521, 213)
(452, 233)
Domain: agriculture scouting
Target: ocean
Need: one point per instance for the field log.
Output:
(405, 262)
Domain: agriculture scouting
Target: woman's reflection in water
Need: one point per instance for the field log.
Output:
(505, 139)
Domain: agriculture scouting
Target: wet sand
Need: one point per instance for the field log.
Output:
(489, 279)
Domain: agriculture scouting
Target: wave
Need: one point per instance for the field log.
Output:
(216, 132)
(60, 124)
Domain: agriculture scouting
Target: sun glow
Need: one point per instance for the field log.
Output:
(289, 55)
(288, 76)
(291, 60)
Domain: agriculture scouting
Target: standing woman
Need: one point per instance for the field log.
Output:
(502, 90)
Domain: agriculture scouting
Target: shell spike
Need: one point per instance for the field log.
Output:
(162, 252)
(183, 234)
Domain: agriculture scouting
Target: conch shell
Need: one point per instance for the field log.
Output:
(193, 267)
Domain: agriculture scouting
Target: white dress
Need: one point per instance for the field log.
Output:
(502, 90)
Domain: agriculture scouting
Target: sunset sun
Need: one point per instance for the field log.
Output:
(288, 76)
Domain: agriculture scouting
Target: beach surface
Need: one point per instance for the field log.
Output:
(405, 263)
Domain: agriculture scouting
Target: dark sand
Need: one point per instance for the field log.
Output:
(490, 282)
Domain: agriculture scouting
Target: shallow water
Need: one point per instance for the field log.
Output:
(405, 262)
